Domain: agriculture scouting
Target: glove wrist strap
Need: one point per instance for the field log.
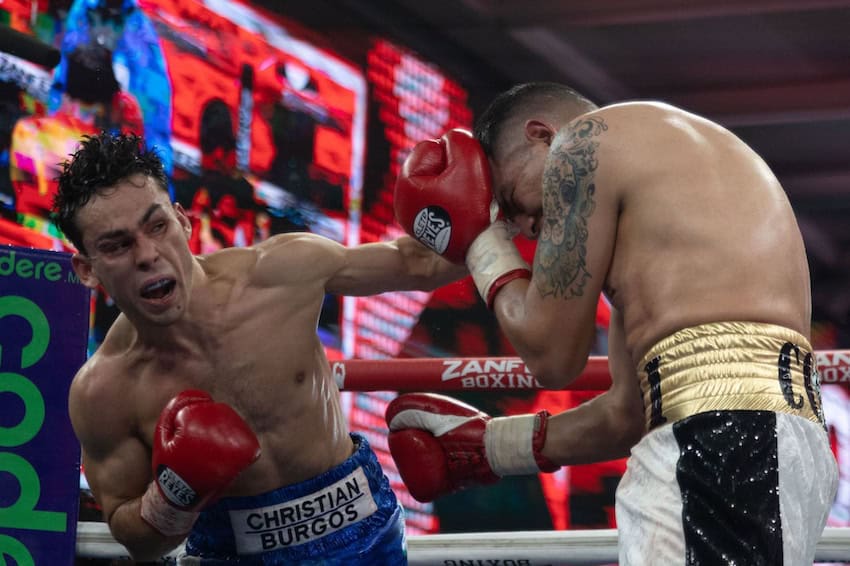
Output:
(164, 517)
(494, 261)
(513, 445)
(538, 440)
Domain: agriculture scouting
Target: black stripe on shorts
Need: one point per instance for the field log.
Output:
(728, 474)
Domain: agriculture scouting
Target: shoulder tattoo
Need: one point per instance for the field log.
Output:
(560, 263)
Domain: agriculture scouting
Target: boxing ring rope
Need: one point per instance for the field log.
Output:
(491, 374)
(526, 548)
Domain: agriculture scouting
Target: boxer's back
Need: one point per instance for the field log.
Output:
(705, 231)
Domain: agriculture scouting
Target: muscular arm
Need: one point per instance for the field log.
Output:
(399, 265)
(118, 488)
(117, 466)
(551, 319)
(607, 426)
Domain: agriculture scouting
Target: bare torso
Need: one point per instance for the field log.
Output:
(253, 347)
(705, 231)
(675, 219)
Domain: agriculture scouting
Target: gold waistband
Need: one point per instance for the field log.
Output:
(727, 366)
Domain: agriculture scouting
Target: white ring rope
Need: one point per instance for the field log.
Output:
(521, 548)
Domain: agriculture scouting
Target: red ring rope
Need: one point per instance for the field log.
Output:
(492, 374)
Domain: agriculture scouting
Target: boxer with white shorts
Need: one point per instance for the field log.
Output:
(684, 228)
(736, 466)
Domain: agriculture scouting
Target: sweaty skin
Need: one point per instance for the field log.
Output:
(672, 216)
(240, 324)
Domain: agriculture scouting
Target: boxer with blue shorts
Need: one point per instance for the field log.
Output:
(211, 397)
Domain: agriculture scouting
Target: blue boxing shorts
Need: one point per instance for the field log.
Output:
(347, 515)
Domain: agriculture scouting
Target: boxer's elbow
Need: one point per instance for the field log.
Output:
(554, 347)
(150, 551)
(142, 542)
(555, 362)
(554, 370)
(541, 359)
(626, 427)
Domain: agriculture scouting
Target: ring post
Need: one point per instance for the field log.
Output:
(43, 335)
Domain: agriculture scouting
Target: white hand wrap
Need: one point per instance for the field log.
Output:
(164, 517)
(509, 445)
(493, 260)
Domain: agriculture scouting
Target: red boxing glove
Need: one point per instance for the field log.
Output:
(199, 448)
(441, 445)
(443, 193)
(444, 199)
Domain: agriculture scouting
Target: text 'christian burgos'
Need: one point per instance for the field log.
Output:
(305, 519)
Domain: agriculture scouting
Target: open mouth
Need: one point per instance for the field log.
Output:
(158, 289)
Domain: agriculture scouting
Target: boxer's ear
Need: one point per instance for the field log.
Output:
(183, 218)
(83, 268)
(537, 131)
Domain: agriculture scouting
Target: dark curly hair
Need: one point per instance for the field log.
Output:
(100, 162)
